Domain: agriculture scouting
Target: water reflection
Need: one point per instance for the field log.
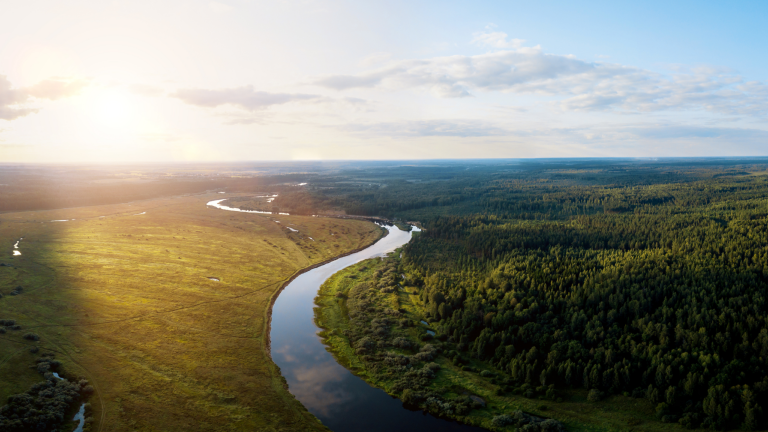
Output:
(342, 401)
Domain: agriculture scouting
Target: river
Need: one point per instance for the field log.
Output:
(341, 400)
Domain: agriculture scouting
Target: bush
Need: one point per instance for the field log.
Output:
(669, 419)
(662, 410)
(502, 420)
(42, 407)
(402, 343)
(690, 420)
(31, 336)
(7, 322)
(594, 395)
(486, 374)
(411, 398)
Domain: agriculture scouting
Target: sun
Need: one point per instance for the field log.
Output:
(111, 109)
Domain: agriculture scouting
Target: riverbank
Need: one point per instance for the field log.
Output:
(372, 324)
(273, 299)
(127, 302)
(373, 327)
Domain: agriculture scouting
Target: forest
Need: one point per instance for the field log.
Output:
(643, 280)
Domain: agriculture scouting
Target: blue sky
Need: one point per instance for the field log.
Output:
(124, 81)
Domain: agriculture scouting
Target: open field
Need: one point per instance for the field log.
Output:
(617, 413)
(122, 295)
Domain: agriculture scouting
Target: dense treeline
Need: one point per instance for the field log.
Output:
(45, 405)
(656, 291)
(527, 190)
(396, 350)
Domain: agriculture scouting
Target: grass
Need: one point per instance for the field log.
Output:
(124, 299)
(616, 413)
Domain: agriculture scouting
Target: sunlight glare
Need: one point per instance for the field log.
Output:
(113, 109)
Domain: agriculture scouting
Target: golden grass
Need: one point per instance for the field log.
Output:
(125, 301)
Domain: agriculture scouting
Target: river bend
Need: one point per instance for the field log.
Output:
(341, 400)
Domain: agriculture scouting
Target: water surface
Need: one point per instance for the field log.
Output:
(342, 401)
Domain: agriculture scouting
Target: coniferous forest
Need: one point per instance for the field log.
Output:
(642, 280)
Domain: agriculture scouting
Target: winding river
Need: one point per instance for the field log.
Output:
(341, 400)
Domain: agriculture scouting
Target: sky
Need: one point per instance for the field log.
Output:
(241, 80)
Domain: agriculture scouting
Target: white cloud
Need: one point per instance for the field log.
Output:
(243, 97)
(14, 102)
(664, 138)
(429, 128)
(496, 40)
(577, 85)
(375, 59)
(54, 89)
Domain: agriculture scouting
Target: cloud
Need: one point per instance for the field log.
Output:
(54, 89)
(667, 139)
(575, 84)
(13, 101)
(496, 40)
(243, 97)
(375, 59)
(429, 128)
(688, 131)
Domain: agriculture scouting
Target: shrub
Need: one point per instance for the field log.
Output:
(669, 419)
(690, 420)
(42, 407)
(402, 343)
(551, 425)
(502, 420)
(662, 410)
(7, 322)
(486, 374)
(594, 395)
(411, 398)
(31, 336)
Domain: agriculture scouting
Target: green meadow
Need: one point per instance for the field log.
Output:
(122, 296)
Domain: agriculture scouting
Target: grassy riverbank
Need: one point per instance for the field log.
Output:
(122, 295)
(371, 318)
